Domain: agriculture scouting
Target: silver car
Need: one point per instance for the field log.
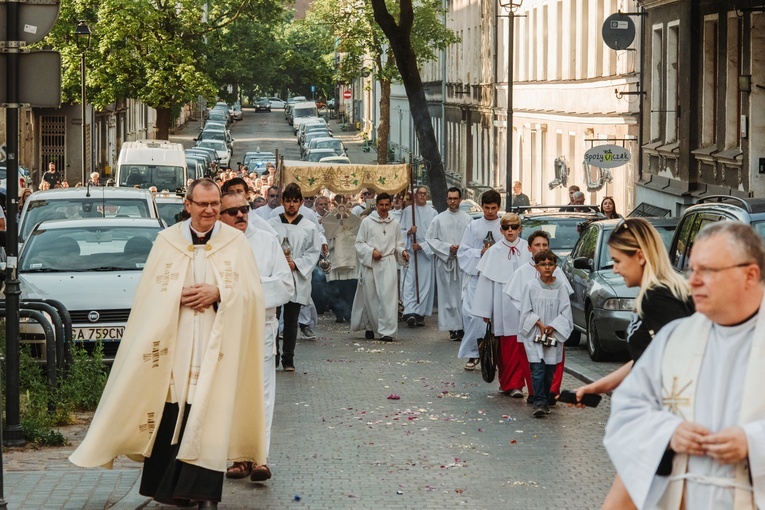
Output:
(92, 266)
(602, 304)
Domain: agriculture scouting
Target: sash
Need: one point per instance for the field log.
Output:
(680, 371)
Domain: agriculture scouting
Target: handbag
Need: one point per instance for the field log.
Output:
(487, 353)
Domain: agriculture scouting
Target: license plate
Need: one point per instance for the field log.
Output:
(107, 334)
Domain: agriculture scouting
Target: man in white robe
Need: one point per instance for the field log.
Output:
(278, 286)
(380, 249)
(687, 425)
(444, 236)
(239, 185)
(472, 247)
(422, 271)
(495, 268)
(195, 332)
(304, 247)
(273, 200)
(341, 229)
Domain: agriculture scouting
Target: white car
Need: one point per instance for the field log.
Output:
(22, 178)
(276, 102)
(337, 160)
(93, 267)
(220, 148)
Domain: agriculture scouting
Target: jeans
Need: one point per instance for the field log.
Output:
(291, 313)
(541, 380)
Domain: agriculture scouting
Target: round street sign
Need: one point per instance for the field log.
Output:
(347, 94)
(607, 156)
(618, 31)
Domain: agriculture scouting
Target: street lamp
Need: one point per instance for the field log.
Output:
(511, 7)
(82, 36)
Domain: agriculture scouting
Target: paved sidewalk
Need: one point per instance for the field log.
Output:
(340, 442)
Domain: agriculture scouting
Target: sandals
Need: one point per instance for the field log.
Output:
(260, 473)
(471, 364)
(239, 470)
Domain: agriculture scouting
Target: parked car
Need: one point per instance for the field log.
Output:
(315, 155)
(221, 148)
(217, 134)
(330, 143)
(263, 104)
(236, 111)
(337, 160)
(331, 104)
(24, 180)
(276, 102)
(256, 160)
(708, 210)
(563, 226)
(84, 202)
(171, 207)
(312, 135)
(102, 259)
(602, 304)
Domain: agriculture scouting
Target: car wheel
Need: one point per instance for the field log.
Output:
(574, 339)
(594, 349)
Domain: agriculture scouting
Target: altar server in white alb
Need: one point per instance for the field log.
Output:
(443, 237)
(495, 268)
(687, 425)
(380, 249)
(278, 286)
(302, 255)
(422, 272)
(479, 236)
(537, 241)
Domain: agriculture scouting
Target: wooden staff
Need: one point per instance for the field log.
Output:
(414, 236)
(279, 170)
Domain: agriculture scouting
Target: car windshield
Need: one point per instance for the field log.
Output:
(212, 134)
(564, 232)
(665, 232)
(329, 144)
(217, 145)
(145, 176)
(111, 248)
(302, 113)
(315, 156)
(171, 212)
(69, 208)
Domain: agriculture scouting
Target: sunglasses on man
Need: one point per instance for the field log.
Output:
(232, 211)
(508, 226)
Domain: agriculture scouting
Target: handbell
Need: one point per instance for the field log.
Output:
(325, 264)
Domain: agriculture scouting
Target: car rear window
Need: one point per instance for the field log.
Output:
(564, 232)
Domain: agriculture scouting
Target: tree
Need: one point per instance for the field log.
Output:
(404, 41)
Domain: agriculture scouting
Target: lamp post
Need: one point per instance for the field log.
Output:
(511, 7)
(82, 35)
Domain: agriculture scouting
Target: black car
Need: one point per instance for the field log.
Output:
(263, 105)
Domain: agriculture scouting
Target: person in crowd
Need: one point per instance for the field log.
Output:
(45, 185)
(495, 269)
(608, 208)
(686, 425)
(571, 190)
(479, 236)
(545, 324)
(301, 245)
(519, 199)
(278, 287)
(537, 241)
(51, 177)
(273, 200)
(380, 248)
(95, 179)
(342, 227)
(195, 332)
(237, 185)
(257, 203)
(419, 282)
(23, 199)
(443, 236)
(642, 261)
(321, 207)
(309, 202)
(64, 183)
(361, 206)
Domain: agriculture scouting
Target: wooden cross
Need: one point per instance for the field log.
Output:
(674, 400)
(165, 278)
(150, 424)
(154, 355)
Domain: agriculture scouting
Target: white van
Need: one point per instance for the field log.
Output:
(146, 163)
(301, 112)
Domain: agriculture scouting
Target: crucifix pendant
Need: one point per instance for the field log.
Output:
(384, 232)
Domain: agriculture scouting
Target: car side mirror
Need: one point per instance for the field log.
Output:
(583, 263)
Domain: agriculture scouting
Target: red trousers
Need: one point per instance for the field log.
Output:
(513, 367)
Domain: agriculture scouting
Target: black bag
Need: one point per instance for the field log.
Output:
(487, 352)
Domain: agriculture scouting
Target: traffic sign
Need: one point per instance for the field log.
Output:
(35, 19)
(618, 31)
(39, 79)
(347, 94)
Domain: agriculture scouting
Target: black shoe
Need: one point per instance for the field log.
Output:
(420, 320)
(530, 400)
(453, 335)
(539, 411)
(369, 335)
(461, 333)
(339, 320)
(551, 400)
(386, 338)
(411, 321)
(546, 409)
(276, 358)
(208, 505)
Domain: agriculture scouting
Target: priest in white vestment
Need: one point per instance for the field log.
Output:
(304, 247)
(472, 247)
(380, 249)
(341, 228)
(273, 200)
(687, 425)
(415, 221)
(195, 332)
(537, 241)
(443, 236)
(495, 269)
(278, 286)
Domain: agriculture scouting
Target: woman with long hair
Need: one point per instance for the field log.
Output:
(608, 208)
(641, 259)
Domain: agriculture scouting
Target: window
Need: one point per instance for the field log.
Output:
(673, 103)
(709, 83)
(657, 71)
(734, 50)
